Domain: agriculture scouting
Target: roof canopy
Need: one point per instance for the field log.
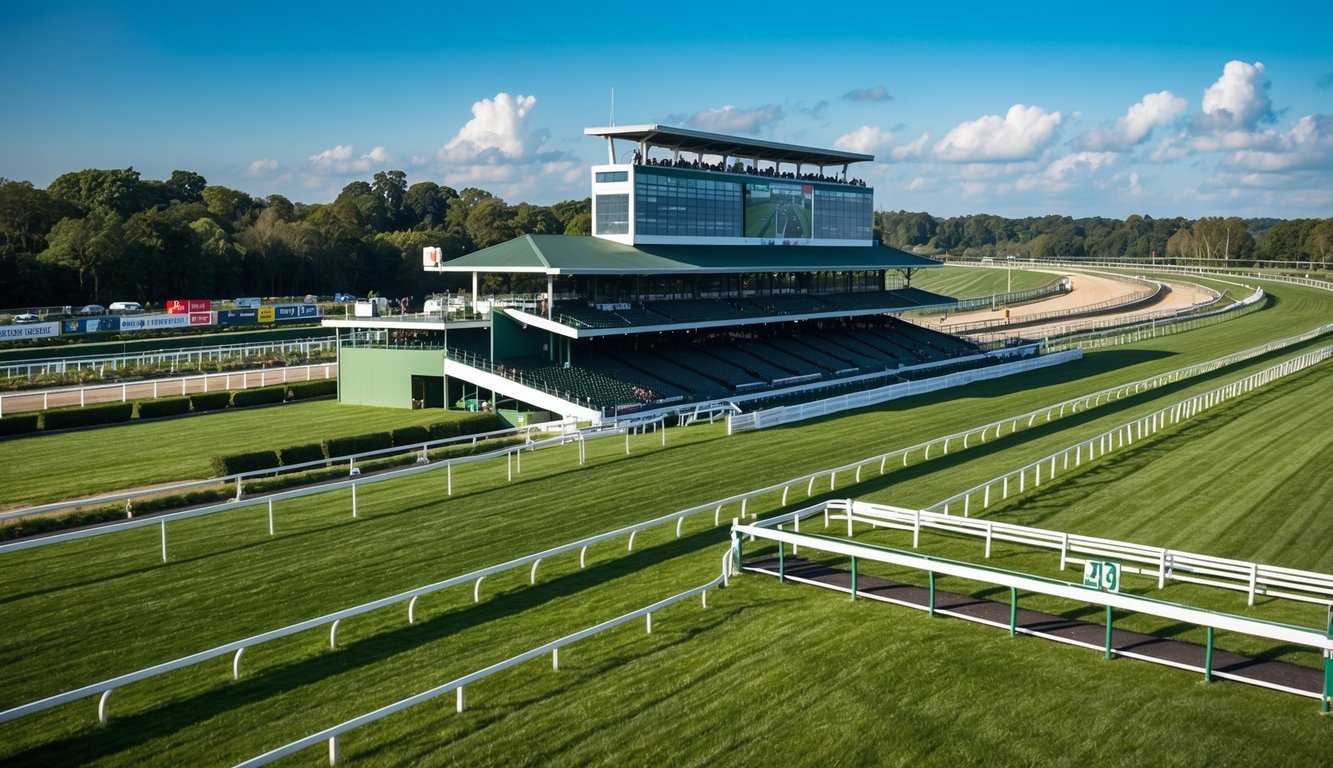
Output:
(582, 255)
(687, 140)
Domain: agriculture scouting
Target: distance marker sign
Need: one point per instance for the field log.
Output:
(1102, 575)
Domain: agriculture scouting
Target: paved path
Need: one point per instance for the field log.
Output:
(1292, 678)
(147, 389)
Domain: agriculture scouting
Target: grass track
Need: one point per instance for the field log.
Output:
(768, 673)
(971, 282)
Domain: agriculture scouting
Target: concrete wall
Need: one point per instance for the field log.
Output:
(383, 377)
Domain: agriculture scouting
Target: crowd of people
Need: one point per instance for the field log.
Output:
(749, 170)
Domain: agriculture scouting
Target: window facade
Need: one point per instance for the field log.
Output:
(604, 177)
(612, 215)
(843, 214)
(683, 206)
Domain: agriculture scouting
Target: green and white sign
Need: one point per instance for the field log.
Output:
(1102, 575)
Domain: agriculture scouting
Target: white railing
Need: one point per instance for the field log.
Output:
(170, 387)
(170, 358)
(1316, 639)
(458, 685)
(773, 417)
(334, 619)
(1160, 563)
(1124, 435)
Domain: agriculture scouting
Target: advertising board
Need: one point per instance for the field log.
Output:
(154, 322)
(248, 303)
(29, 331)
(201, 318)
(89, 324)
(238, 317)
(265, 314)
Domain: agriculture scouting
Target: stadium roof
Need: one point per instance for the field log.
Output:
(702, 142)
(583, 255)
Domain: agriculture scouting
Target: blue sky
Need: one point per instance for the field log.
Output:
(1198, 109)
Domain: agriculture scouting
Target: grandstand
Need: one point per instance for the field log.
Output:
(720, 268)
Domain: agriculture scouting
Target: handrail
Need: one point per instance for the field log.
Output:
(331, 734)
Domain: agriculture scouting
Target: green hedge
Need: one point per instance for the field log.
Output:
(166, 406)
(87, 416)
(259, 396)
(473, 423)
(302, 390)
(345, 446)
(244, 462)
(444, 429)
(410, 435)
(300, 454)
(19, 424)
(210, 401)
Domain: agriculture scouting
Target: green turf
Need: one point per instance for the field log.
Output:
(971, 282)
(44, 468)
(769, 673)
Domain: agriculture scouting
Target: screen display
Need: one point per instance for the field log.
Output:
(779, 210)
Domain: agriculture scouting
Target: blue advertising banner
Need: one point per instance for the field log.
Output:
(238, 317)
(284, 311)
(90, 324)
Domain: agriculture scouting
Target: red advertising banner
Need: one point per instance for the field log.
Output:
(182, 306)
(201, 318)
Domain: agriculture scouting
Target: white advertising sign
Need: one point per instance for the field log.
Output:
(29, 331)
(152, 322)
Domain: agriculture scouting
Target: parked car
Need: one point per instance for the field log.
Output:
(126, 307)
(26, 318)
(92, 309)
(344, 297)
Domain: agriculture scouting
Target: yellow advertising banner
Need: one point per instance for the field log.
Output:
(266, 314)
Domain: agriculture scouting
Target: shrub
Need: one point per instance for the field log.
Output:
(89, 415)
(410, 435)
(474, 423)
(260, 396)
(443, 429)
(210, 401)
(345, 446)
(19, 424)
(300, 454)
(302, 390)
(244, 462)
(166, 406)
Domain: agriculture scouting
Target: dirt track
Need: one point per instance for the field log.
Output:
(1088, 290)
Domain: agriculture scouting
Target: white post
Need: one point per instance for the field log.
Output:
(164, 541)
(270, 517)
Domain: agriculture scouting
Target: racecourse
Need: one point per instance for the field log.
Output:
(768, 672)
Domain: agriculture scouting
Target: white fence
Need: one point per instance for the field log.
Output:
(458, 685)
(1160, 563)
(165, 358)
(168, 387)
(773, 417)
(1031, 475)
(1315, 639)
(334, 619)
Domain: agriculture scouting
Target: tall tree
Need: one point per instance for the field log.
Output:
(88, 246)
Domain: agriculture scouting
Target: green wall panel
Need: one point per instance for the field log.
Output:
(383, 377)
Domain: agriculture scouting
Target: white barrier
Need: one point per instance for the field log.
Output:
(773, 417)
(1316, 639)
(174, 387)
(330, 735)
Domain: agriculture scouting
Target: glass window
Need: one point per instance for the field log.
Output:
(612, 215)
(606, 176)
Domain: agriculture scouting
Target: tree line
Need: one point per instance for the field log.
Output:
(104, 235)
(1223, 241)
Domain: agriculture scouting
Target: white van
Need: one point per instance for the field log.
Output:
(125, 307)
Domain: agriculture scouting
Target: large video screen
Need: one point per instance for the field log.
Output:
(779, 210)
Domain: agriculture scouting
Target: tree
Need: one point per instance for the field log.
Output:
(88, 246)
(186, 187)
(424, 206)
(581, 224)
(116, 190)
(536, 220)
(491, 222)
(232, 205)
(391, 187)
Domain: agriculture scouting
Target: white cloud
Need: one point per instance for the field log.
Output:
(730, 119)
(1238, 100)
(501, 150)
(865, 140)
(1020, 135)
(340, 160)
(1155, 109)
(261, 166)
(498, 132)
(1066, 173)
(911, 149)
(1308, 144)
